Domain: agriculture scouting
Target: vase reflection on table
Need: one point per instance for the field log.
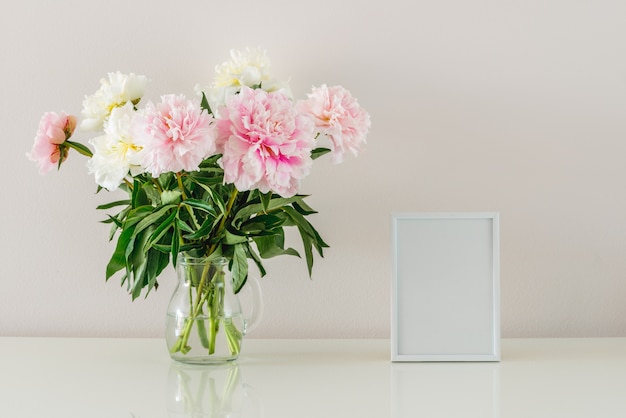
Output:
(210, 392)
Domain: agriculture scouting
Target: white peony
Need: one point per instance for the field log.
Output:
(250, 68)
(216, 96)
(114, 92)
(115, 153)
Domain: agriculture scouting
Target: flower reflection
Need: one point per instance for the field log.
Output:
(210, 392)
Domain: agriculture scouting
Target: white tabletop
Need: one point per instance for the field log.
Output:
(124, 378)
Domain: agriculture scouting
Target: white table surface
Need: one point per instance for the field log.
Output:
(124, 378)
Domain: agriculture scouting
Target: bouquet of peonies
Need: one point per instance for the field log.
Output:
(212, 176)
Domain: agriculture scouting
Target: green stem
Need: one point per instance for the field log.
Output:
(214, 322)
(180, 185)
(196, 309)
(233, 336)
(215, 297)
(179, 179)
(157, 184)
(200, 324)
(204, 340)
(229, 208)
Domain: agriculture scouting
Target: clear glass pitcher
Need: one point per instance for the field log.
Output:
(205, 322)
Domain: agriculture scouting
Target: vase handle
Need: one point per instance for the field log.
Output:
(255, 312)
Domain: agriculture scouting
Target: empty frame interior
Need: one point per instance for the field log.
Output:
(446, 287)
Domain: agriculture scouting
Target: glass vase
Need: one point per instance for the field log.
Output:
(205, 322)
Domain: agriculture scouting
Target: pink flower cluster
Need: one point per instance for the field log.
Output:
(54, 130)
(265, 139)
(265, 142)
(175, 135)
(338, 115)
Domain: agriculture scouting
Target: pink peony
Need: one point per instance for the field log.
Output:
(338, 115)
(54, 130)
(265, 142)
(174, 135)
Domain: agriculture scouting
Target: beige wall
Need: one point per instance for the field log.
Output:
(514, 106)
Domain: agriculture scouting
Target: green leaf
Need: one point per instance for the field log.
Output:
(318, 152)
(136, 215)
(175, 244)
(308, 250)
(272, 246)
(200, 204)
(152, 194)
(265, 200)
(156, 262)
(261, 223)
(82, 149)
(303, 208)
(231, 239)
(239, 267)
(204, 103)
(167, 181)
(310, 237)
(118, 221)
(162, 229)
(205, 229)
(213, 178)
(182, 225)
(215, 197)
(211, 162)
(257, 260)
(138, 196)
(162, 261)
(153, 218)
(300, 221)
(118, 259)
(275, 203)
(170, 196)
(137, 261)
(111, 219)
(167, 248)
(217, 253)
(152, 263)
(114, 204)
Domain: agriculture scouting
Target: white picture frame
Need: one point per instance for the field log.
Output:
(445, 286)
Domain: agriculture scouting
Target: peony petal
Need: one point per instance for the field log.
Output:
(55, 135)
(266, 142)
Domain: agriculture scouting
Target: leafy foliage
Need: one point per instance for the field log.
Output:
(196, 213)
